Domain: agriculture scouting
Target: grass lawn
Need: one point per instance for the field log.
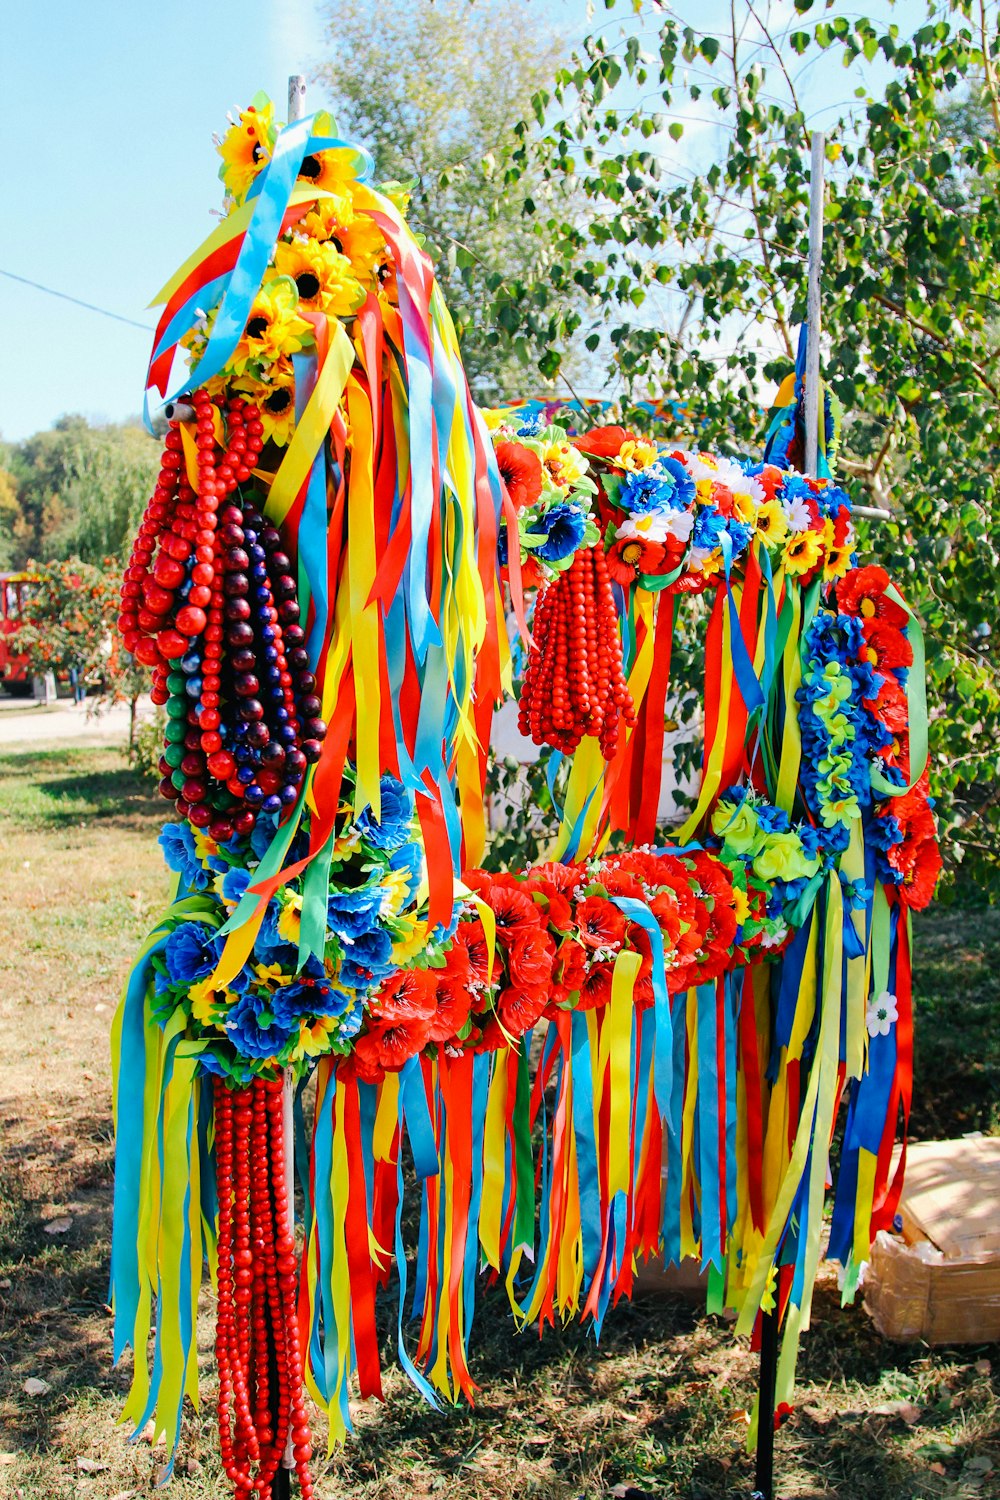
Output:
(658, 1409)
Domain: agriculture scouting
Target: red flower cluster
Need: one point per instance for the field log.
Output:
(559, 931)
(916, 862)
(862, 593)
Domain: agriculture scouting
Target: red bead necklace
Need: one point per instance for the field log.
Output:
(260, 1402)
(574, 684)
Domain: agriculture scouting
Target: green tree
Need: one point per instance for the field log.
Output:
(695, 281)
(68, 623)
(434, 89)
(80, 490)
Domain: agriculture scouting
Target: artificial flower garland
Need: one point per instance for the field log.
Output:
(317, 588)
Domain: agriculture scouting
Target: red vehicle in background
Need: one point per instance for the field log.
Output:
(14, 673)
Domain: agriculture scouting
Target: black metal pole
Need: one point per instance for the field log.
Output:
(764, 1473)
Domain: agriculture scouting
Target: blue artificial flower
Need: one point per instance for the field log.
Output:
(372, 950)
(177, 842)
(191, 952)
(709, 525)
(832, 500)
(795, 487)
(566, 527)
(234, 884)
(531, 427)
(305, 996)
(393, 827)
(254, 1028)
(651, 489)
(349, 913)
(502, 548)
(739, 534)
(811, 839)
(773, 819)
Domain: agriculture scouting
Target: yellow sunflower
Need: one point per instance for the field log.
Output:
(771, 523)
(803, 551)
(323, 277)
(246, 148)
(838, 559)
(274, 399)
(364, 245)
(273, 327)
(329, 217)
(329, 170)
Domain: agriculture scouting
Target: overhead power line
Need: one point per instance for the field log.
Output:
(65, 297)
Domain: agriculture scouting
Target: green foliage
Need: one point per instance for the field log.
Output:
(524, 816)
(435, 91)
(78, 491)
(694, 281)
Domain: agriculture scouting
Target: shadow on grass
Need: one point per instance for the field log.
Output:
(54, 1321)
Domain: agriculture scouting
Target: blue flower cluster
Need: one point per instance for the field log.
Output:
(666, 485)
(840, 737)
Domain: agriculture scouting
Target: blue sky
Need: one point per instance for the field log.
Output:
(110, 173)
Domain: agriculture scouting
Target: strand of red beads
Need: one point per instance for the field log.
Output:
(260, 1402)
(574, 684)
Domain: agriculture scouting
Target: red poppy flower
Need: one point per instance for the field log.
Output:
(890, 707)
(521, 472)
(862, 592)
(632, 555)
(530, 957)
(513, 910)
(390, 1044)
(565, 878)
(470, 937)
(550, 901)
(596, 987)
(408, 996)
(453, 1006)
(520, 1006)
(603, 442)
(885, 646)
(920, 879)
(620, 882)
(601, 924)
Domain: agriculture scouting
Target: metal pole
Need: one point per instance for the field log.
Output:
(813, 314)
(764, 1469)
(296, 96)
